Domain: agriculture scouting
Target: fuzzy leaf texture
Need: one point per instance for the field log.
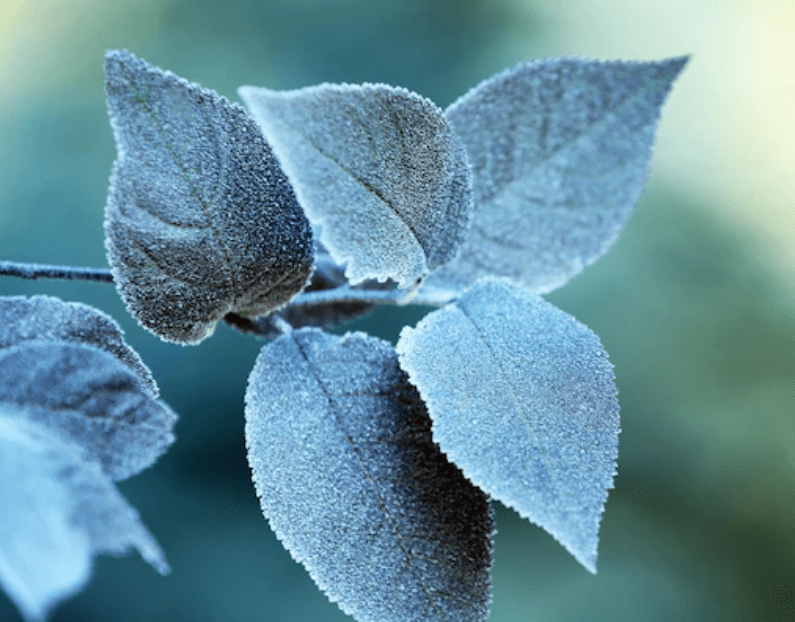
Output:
(352, 484)
(377, 169)
(44, 318)
(77, 411)
(200, 220)
(523, 401)
(560, 152)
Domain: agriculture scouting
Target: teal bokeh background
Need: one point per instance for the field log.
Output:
(701, 330)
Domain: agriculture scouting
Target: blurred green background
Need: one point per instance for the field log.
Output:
(694, 303)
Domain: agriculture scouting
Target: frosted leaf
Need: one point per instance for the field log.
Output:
(44, 318)
(88, 397)
(523, 401)
(347, 474)
(58, 511)
(560, 152)
(200, 219)
(377, 169)
(68, 362)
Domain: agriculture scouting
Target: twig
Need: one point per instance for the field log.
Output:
(33, 271)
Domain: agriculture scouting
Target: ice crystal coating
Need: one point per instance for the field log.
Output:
(377, 169)
(45, 318)
(352, 484)
(88, 397)
(327, 275)
(560, 152)
(523, 401)
(200, 219)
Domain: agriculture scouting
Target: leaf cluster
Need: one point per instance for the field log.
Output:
(375, 465)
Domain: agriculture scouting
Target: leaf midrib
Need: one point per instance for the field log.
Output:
(518, 408)
(362, 182)
(586, 130)
(372, 481)
(193, 190)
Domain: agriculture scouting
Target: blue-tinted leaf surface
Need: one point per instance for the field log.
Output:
(349, 478)
(86, 396)
(77, 411)
(560, 152)
(377, 168)
(69, 364)
(44, 318)
(200, 219)
(58, 511)
(523, 400)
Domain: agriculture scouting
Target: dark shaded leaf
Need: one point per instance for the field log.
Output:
(88, 397)
(44, 318)
(68, 362)
(352, 484)
(523, 401)
(77, 411)
(200, 219)
(560, 152)
(377, 169)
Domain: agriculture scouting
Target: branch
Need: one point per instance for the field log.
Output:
(33, 271)
(371, 296)
(337, 295)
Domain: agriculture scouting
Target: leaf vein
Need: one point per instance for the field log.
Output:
(373, 482)
(540, 451)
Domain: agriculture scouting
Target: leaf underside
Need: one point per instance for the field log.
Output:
(200, 219)
(378, 171)
(77, 411)
(523, 401)
(560, 152)
(352, 484)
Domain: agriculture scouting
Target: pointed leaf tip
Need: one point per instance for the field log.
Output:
(560, 151)
(200, 220)
(523, 401)
(352, 484)
(377, 168)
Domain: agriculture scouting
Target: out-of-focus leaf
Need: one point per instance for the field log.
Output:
(200, 219)
(377, 168)
(348, 476)
(523, 401)
(77, 411)
(58, 511)
(88, 397)
(68, 362)
(560, 152)
(44, 318)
